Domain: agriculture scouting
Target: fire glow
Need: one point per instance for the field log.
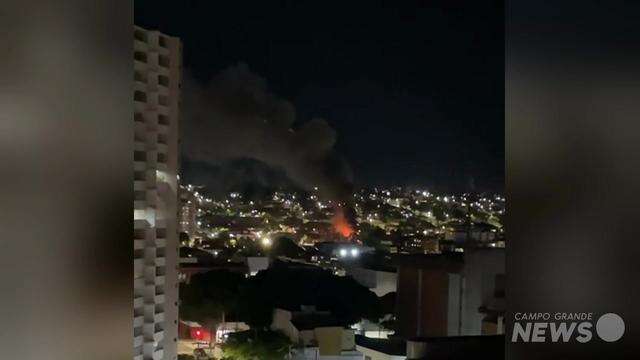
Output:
(341, 225)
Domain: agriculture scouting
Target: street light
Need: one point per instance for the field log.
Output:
(266, 242)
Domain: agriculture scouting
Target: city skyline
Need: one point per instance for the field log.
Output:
(339, 185)
(317, 180)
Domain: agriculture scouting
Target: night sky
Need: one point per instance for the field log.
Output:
(414, 90)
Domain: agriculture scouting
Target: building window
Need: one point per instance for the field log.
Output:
(140, 56)
(164, 61)
(140, 35)
(163, 119)
(163, 80)
(162, 41)
(139, 156)
(138, 117)
(140, 195)
(140, 96)
(139, 234)
(138, 254)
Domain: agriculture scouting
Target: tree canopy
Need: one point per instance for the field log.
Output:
(256, 345)
(284, 246)
(373, 236)
(285, 287)
(253, 299)
(209, 295)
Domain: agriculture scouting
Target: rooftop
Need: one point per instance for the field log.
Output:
(310, 321)
(393, 346)
(463, 347)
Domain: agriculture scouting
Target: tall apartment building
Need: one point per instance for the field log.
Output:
(157, 76)
(189, 211)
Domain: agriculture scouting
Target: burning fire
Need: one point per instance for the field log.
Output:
(341, 225)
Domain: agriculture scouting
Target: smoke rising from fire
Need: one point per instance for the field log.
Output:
(236, 116)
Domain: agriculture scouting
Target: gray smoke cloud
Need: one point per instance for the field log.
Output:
(236, 116)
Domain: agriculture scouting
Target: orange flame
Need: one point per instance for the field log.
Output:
(341, 225)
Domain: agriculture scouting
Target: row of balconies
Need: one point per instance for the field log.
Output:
(150, 141)
(154, 158)
(152, 349)
(151, 82)
(147, 119)
(149, 122)
(156, 64)
(140, 265)
(139, 244)
(150, 41)
(139, 351)
(153, 99)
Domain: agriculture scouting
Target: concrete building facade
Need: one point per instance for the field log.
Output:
(483, 303)
(428, 296)
(315, 335)
(157, 77)
(451, 295)
(381, 282)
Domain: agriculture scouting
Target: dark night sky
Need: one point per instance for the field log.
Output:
(414, 90)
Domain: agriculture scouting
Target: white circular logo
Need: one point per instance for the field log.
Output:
(610, 327)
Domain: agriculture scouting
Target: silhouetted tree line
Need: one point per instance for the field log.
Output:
(216, 294)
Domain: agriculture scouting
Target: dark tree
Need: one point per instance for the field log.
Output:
(284, 287)
(284, 246)
(373, 236)
(210, 297)
(248, 247)
(262, 344)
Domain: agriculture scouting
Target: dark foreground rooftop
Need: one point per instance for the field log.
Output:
(462, 347)
(386, 346)
(439, 348)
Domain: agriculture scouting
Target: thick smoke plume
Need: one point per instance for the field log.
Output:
(235, 116)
